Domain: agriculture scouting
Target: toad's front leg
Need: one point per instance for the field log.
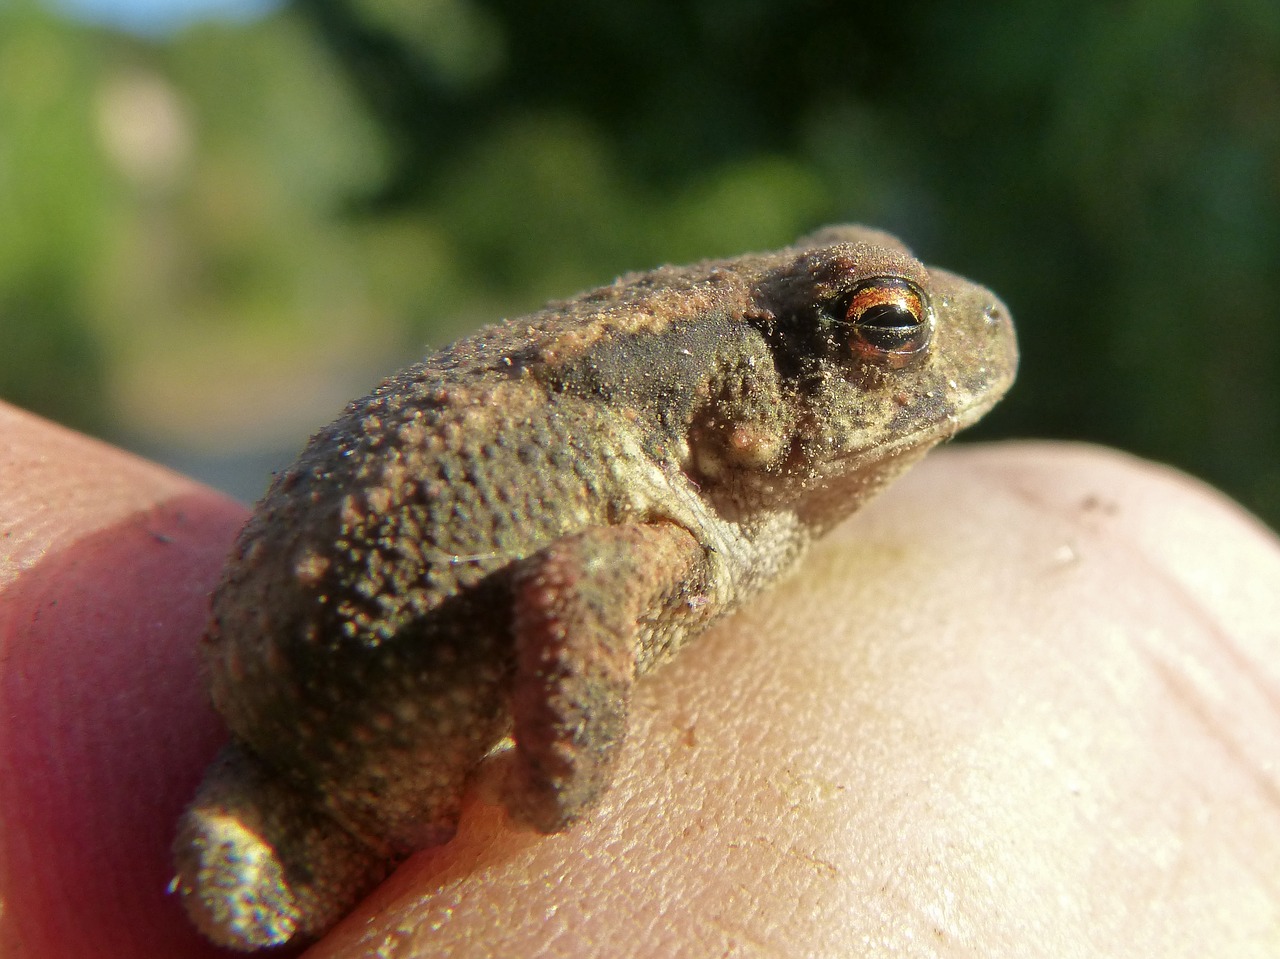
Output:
(590, 610)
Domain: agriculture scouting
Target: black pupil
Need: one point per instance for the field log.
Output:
(888, 316)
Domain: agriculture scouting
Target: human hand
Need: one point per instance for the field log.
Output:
(1027, 703)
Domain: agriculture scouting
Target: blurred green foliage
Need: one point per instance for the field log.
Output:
(213, 239)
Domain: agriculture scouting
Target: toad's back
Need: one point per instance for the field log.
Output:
(362, 637)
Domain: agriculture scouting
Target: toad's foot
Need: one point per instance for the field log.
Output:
(258, 864)
(584, 608)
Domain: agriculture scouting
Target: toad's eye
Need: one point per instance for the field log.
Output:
(891, 322)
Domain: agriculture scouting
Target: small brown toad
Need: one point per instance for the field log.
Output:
(500, 539)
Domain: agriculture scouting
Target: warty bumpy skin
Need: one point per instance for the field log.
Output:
(500, 539)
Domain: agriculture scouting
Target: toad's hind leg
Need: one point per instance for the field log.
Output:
(589, 610)
(259, 863)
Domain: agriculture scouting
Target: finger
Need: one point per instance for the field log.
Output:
(107, 563)
(1008, 711)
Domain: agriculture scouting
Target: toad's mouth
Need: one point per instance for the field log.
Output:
(916, 432)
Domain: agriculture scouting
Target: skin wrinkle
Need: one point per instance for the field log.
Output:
(1183, 687)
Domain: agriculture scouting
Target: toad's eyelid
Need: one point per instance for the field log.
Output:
(879, 291)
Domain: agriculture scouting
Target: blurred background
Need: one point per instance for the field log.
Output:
(221, 219)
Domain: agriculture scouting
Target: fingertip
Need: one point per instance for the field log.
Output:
(103, 582)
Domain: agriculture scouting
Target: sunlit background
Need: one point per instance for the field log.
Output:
(219, 221)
